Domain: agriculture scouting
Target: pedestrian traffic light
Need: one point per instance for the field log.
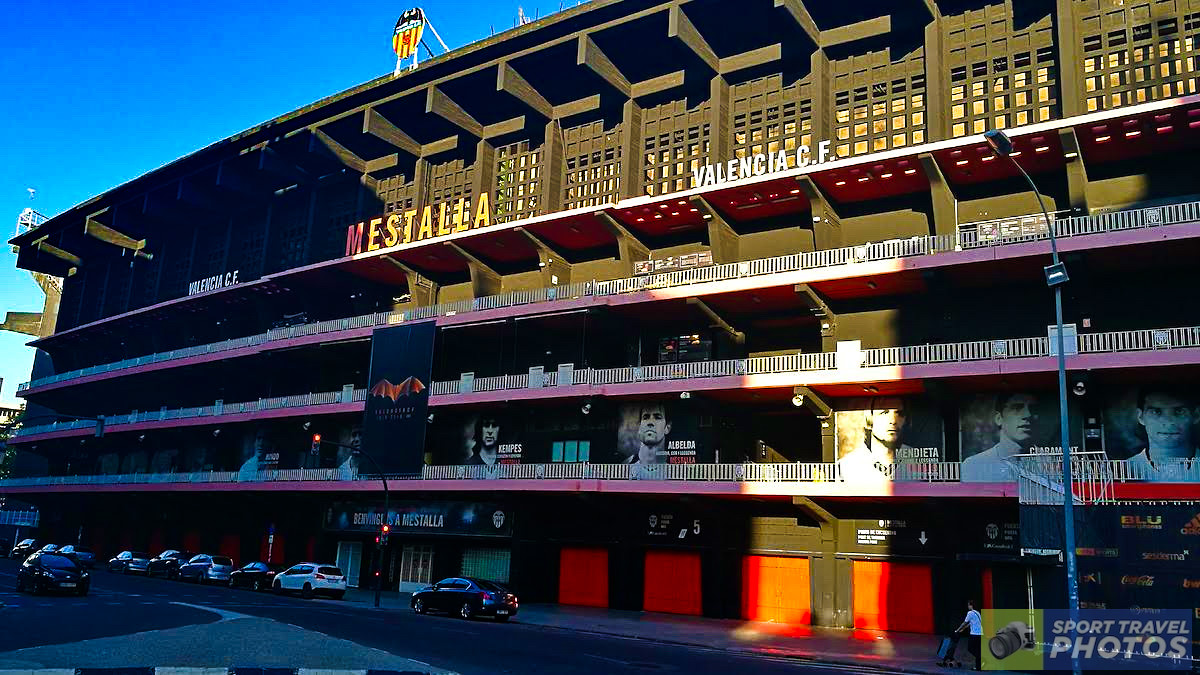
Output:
(316, 446)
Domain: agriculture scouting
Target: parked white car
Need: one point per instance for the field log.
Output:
(309, 579)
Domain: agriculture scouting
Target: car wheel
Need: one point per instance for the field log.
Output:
(83, 593)
(419, 606)
(278, 588)
(467, 611)
(257, 585)
(306, 592)
(124, 569)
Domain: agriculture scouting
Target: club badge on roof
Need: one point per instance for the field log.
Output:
(407, 35)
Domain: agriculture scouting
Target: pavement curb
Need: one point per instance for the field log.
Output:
(749, 651)
(206, 671)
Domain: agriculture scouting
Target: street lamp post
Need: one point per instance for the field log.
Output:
(1056, 276)
(356, 452)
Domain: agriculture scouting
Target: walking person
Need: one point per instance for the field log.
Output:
(973, 625)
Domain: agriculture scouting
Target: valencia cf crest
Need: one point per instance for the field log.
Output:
(407, 35)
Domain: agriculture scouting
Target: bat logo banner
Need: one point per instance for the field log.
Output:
(393, 432)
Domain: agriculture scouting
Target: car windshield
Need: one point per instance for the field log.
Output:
(26, 542)
(58, 562)
(489, 586)
(331, 571)
(222, 560)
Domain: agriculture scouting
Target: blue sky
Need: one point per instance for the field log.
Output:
(99, 93)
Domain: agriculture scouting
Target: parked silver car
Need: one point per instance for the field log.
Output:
(206, 568)
(130, 562)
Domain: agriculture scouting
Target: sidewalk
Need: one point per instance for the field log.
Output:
(900, 652)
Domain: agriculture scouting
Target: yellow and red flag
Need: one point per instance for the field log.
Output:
(407, 35)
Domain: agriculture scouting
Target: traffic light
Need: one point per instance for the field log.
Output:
(316, 446)
(383, 535)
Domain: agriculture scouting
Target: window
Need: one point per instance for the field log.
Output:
(570, 451)
(959, 129)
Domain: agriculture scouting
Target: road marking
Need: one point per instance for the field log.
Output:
(225, 615)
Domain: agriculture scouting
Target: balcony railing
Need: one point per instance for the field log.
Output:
(967, 238)
(1039, 482)
(954, 352)
(274, 475)
(215, 410)
(803, 472)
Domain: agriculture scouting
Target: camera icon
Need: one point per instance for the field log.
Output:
(1017, 635)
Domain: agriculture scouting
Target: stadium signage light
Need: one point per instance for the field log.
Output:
(435, 222)
(759, 164)
(213, 283)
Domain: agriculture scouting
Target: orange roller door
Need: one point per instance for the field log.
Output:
(893, 596)
(672, 583)
(583, 577)
(776, 589)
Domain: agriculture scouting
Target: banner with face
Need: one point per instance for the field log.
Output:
(1153, 427)
(651, 432)
(875, 433)
(995, 428)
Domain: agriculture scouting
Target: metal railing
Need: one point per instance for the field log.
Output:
(968, 237)
(265, 476)
(953, 352)
(215, 410)
(19, 518)
(1039, 480)
(800, 472)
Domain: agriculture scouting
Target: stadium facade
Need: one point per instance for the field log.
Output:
(702, 307)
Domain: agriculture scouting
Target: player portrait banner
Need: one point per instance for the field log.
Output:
(655, 432)
(489, 438)
(994, 429)
(393, 432)
(889, 430)
(1154, 428)
(407, 35)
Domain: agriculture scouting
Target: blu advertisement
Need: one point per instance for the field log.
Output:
(398, 398)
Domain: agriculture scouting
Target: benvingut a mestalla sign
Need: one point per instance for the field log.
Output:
(759, 164)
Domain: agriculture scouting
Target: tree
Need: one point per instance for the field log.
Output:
(9, 453)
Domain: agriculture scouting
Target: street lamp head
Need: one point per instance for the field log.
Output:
(999, 142)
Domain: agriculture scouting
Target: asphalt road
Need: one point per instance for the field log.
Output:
(122, 605)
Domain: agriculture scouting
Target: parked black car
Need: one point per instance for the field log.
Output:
(468, 598)
(206, 568)
(256, 576)
(168, 563)
(44, 572)
(130, 562)
(24, 548)
(80, 554)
